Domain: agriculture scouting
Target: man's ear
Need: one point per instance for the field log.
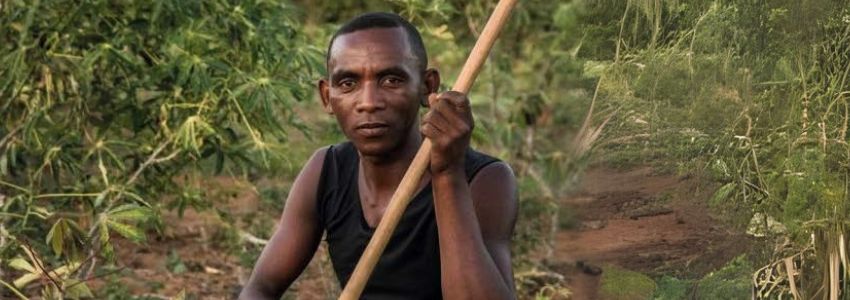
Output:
(324, 94)
(432, 84)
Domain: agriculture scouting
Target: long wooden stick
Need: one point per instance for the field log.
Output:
(408, 185)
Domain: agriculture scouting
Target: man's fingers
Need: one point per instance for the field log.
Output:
(457, 99)
(436, 119)
(432, 132)
(432, 99)
(450, 113)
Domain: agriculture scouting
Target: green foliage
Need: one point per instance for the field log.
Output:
(174, 263)
(733, 281)
(621, 284)
(671, 288)
(117, 110)
(111, 107)
(755, 93)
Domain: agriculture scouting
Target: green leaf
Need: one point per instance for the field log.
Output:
(21, 264)
(122, 56)
(57, 234)
(76, 289)
(105, 245)
(722, 194)
(128, 231)
(99, 200)
(174, 263)
(130, 212)
(595, 69)
(137, 198)
(242, 89)
(40, 212)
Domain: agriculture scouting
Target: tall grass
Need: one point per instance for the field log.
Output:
(756, 95)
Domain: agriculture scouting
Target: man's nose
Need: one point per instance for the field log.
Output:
(371, 99)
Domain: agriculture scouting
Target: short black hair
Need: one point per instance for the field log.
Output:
(384, 20)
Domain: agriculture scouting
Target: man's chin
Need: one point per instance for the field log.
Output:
(375, 147)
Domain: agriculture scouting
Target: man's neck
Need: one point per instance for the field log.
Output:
(380, 175)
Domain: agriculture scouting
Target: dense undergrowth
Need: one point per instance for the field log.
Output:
(755, 96)
(117, 112)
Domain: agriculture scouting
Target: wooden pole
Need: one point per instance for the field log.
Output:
(408, 185)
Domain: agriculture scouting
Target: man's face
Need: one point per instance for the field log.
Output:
(374, 88)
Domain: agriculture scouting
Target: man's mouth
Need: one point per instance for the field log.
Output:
(372, 129)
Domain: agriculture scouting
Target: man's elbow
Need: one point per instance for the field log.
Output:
(254, 291)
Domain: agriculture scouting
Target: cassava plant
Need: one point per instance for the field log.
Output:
(110, 107)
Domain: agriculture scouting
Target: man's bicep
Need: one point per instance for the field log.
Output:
(494, 194)
(297, 235)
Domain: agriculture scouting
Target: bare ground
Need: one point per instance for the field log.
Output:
(212, 271)
(642, 221)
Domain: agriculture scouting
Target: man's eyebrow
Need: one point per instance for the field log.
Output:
(395, 70)
(343, 73)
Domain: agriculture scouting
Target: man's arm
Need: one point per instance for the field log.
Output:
(494, 196)
(474, 221)
(295, 240)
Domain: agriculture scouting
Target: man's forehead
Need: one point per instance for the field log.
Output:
(377, 43)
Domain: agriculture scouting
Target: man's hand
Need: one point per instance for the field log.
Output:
(448, 125)
(475, 219)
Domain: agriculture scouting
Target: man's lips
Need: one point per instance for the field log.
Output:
(372, 129)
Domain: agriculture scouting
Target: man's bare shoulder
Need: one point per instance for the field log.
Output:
(495, 180)
(304, 187)
(317, 159)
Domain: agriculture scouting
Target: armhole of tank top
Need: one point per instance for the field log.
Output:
(321, 186)
(481, 161)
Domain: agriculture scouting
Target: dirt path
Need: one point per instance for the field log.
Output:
(644, 222)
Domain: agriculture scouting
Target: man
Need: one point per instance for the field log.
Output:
(454, 239)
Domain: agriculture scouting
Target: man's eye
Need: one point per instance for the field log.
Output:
(347, 84)
(393, 81)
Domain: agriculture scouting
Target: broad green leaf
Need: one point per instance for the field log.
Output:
(127, 231)
(76, 289)
(130, 212)
(105, 244)
(57, 234)
(21, 264)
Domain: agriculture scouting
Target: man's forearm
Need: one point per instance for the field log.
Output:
(467, 268)
(251, 293)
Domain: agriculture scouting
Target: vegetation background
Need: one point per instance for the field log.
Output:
(126, 123)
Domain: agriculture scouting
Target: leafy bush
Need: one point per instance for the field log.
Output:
(111, 106)
(754, 92)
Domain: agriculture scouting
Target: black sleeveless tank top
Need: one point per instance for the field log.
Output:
(410, 265)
